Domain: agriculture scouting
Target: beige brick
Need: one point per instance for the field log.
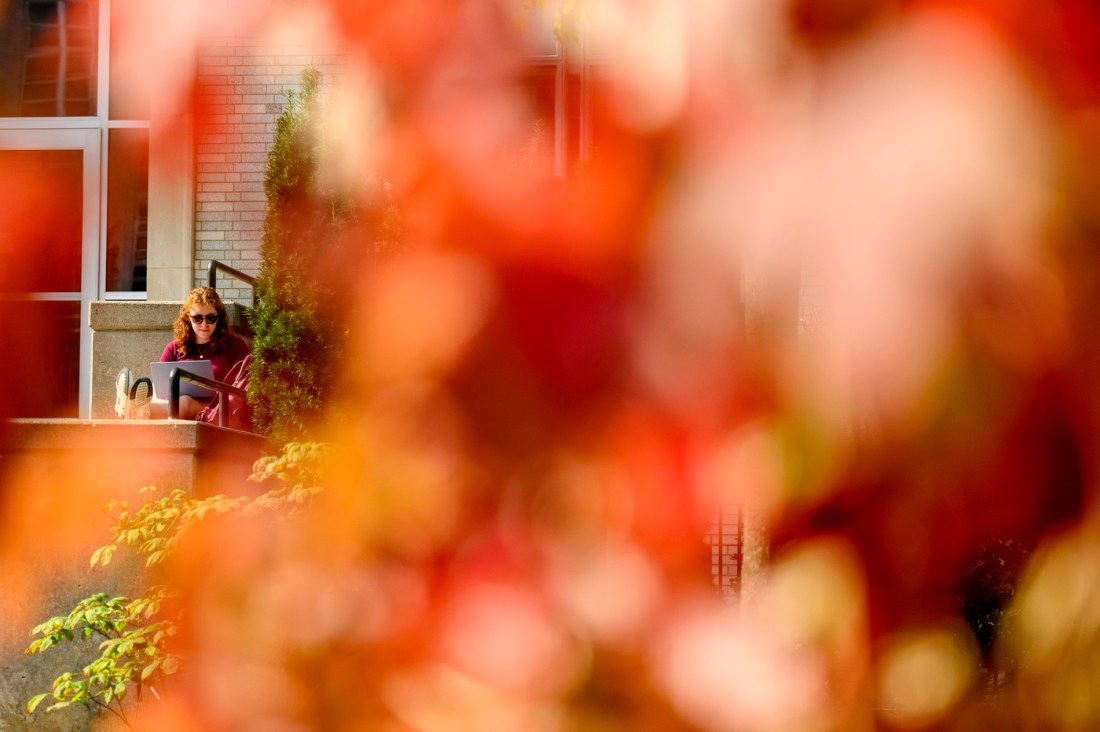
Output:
(250, 147)
(216, 225)
(210, 167)
(258, 98)
(217, 148)
(216, 67)
(250, 67)
(204, 190)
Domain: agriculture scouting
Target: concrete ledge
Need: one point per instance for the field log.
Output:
(138, 315)
(129, 315)
(192, 456)
(137, 434)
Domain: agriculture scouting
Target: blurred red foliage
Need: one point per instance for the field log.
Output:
(833, 261)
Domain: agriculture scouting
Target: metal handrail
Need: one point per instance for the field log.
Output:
(224, 392)
(212, 276)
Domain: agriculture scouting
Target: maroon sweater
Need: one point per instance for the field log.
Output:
(234, 350)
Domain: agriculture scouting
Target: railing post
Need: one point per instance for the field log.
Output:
(174, 393)
(212, 276)
(224, 391)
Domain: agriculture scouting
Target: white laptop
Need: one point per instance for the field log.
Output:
(161, 370)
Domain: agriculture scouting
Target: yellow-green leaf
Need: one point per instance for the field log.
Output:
(148, 670)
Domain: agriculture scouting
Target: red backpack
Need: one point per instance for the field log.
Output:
(240, 412)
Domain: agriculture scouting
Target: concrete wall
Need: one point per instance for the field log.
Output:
(126, 333)
(55, 477)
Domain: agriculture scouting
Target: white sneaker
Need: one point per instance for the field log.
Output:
(122, 392)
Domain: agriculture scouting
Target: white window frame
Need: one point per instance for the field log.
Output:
(103, 99)
(89, 134)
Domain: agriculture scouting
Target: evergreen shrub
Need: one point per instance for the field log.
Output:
(298, 319)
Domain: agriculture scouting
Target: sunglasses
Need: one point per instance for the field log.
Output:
(210, 318)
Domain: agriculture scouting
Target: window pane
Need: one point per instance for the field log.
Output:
(598, 112)
(128, 97)
(552, 107)
(542, 86)
(46, 367)
(48, 57)
(41, 220)
(573, 121)
(127, 209)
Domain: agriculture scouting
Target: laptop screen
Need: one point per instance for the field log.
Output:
(161, 370)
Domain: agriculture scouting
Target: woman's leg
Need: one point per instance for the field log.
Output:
(189, 407)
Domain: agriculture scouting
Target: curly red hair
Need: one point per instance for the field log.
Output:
(185, 334)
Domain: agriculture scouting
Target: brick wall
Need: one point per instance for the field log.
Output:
(242, 85)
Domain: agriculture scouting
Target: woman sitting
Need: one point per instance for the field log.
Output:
(202, 332)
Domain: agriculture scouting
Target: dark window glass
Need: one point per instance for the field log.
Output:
(598, 113)
(573, 121)
(47, 364)
(553, 106)
(48, 58)
(41, 220)
(127, 209)
(542, 85)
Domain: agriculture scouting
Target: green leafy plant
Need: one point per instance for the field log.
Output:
(133, 651)
(135, 633)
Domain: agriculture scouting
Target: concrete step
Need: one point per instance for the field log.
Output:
(193, 456)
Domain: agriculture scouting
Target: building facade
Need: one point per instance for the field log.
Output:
(122, 192)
